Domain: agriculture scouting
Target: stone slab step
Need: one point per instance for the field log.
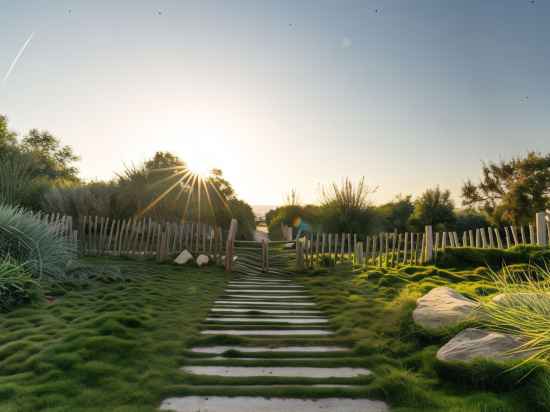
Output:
(277, 371)
(274, 291)
(277, 332)
(266, 311)
(262, 302)
(270, 320)
(218, 350)
(248, 296)
(260, 284)
(259, 404)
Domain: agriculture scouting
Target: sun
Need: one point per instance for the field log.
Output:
(199, 167)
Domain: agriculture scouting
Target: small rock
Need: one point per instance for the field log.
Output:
(442, 307)
(474, 343)
(183, 257)
(202, 260)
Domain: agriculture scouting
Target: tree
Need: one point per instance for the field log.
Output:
(511, 191)
(346, 207)
(396, 214)
(434, 207)
(50, 158)
(7, 137)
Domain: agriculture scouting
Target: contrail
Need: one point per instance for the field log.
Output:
(14, 62)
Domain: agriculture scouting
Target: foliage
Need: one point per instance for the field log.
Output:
(32, 242)
(372, 310)
(396, 214)
(16, 285)
(345, 207)
(469, 219)
(525, 309)
(475, 257)
(434, 207)
(292, 215)
(512, 191)
(104, 346)
(30, 167)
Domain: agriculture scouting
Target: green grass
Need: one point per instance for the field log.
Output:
(105, 346)
(371, 310)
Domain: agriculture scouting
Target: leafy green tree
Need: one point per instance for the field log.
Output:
(50, 158)
(434, 207)
(7, 138)
(470, 219)
(511, 191)
(396, 214)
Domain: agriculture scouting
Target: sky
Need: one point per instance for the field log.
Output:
(284, 94)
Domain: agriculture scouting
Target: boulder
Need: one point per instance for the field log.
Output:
(183, 257)
(474, 343)
(202, 260)
(443, 307)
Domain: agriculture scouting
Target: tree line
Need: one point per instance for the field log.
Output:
(508, 193)
(39, 173)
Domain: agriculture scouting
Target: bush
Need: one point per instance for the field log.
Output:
(16, 285)
(496, 258)
(32, 243)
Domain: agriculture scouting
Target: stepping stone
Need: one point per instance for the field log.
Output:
(261, 291)
(276, 371)
(271, 320)
(258, 404)
(269, 297)
(261, 302)
(261, 332)
(265, 311)
(217, 350)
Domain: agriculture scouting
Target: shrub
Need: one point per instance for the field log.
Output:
(31, 242)
(465, 257)
(16, 285)
(525, 309)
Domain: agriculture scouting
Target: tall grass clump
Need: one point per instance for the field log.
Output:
(33, 243)
(523, 309)
(16, 285)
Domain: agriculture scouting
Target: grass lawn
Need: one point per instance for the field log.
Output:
(372, 309)
(106, 346)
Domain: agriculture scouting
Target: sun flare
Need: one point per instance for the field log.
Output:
(199, 168)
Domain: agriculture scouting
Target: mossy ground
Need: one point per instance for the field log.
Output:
(105, 346)
(371, 309)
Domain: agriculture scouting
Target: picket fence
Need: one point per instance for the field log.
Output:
(392, 248)
(102, 236)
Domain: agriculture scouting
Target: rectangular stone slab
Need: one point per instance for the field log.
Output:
(258, 404)
(261, 302)
(270, 311)
(270, 320)
(276, 371)
(242, 296)
(263, 290)
(261, 332)
(252, 349)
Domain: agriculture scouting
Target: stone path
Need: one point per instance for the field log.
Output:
(285, 347)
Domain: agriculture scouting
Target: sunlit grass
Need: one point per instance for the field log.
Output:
(524, 309)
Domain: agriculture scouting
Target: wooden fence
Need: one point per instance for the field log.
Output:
(145, 237)
(394, 248)
(101, 236)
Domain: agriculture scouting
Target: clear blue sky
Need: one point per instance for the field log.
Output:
(283, 94)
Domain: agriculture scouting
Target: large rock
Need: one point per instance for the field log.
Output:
(474, 343)
(183, 257)
(443, 307)
(202, 260)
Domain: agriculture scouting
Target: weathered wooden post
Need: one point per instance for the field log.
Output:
(429, 244)
(359, 253)
(230, 245)
(542, 239)
(299, 255)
